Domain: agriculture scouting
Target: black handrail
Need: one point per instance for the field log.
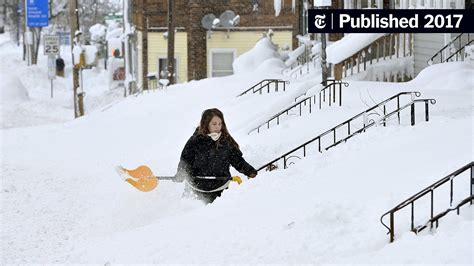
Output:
(430, 189)
(266, 85)
(440, 52)
(277, 116)
(305, 101)
(436, 218)
(385, 118)
(366, 125)
(459, 51)
(333, 85)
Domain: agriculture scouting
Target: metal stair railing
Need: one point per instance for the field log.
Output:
(266, 84)
(287, 110)
(387, 116)
(301, 60)
(308, 102)
(335, 82)
(447, 46)
(366, 124)
(430, 190)
(459, 52)
(299, 69)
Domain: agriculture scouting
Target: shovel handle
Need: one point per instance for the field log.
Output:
(172, 178)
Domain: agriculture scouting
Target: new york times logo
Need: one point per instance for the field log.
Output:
(319, 21)
(391, 21)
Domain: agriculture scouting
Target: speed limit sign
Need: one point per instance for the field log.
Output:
(51, 45)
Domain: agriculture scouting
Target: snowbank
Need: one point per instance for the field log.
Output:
(446, 76)
(250, 61)
(39, 108)
(12, 90)
(272, 65)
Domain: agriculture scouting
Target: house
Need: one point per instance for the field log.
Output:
(423, 48)
(203, 47)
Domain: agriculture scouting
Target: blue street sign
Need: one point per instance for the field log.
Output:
(37, 13)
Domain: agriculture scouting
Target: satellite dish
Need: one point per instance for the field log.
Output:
(207, 21)
(226, 18)
(216, 23)
(235, 21)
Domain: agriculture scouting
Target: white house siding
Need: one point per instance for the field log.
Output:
(423, 4)
(428, 44)
(425, 46)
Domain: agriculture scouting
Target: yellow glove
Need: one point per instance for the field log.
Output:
(237, 179)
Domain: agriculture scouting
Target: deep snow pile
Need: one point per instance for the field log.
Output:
(262, 58)
(62, 202)
(13, 90)
(18, 80)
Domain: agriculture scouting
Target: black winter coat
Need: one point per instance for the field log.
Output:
(202, 156)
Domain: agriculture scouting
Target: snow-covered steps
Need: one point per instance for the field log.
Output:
(353, 126)
(334, 90)
(441, 200)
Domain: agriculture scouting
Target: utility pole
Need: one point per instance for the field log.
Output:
(171, 67)
(18, 14)
(323, 4)
(78, 97)
(23, 28)
(324, 65)
(28, 36)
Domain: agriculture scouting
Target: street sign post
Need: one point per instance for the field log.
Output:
(37, 13)
(51, 70)
(51, 49)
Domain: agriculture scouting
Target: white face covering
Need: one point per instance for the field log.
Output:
(215, 136)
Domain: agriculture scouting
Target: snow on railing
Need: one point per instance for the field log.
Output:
(386, 45)
(304, 56)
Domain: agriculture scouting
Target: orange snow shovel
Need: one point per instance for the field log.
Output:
(144, 180)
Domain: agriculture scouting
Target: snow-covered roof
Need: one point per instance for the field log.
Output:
(349, 45)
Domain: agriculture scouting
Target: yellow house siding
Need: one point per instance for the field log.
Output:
(158, 48)
(242, 41)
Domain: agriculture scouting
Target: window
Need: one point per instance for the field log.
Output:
(163, 68)
(221, 62)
